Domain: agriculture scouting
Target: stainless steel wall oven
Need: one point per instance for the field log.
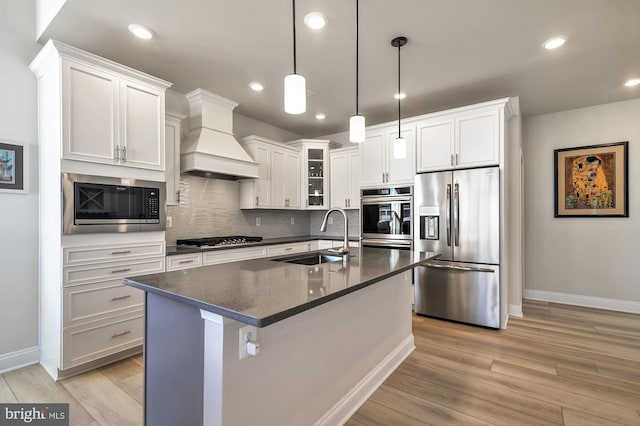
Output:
(386, 217)
(107, 204)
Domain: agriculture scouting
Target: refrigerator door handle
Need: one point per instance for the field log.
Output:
(457, 268)
(456, 213)
(448, 214)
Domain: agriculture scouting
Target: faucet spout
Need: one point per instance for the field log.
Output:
(323, 228)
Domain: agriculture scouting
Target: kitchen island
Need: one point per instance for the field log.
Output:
(328, 335)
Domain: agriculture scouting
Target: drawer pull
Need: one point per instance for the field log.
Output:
(124, 333)
(121, 297)
(118, 271)
(288, 248)
(182, 262)
(121, 252)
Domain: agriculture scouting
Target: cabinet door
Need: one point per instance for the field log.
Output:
(279, 177)
(353, 200)
(478, 139)
(340, 189)
(401, 170)
(435, 144)
(293, 180)
(262, 156)
(90, 107)
(172, 158)
(141, 125)
(372, 156)
(316, 177)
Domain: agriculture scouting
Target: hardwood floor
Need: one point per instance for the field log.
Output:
(558, 365)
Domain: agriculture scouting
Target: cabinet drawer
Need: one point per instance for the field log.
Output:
(98, 301)
(115, 270)
(82, 345)
(287, 248)
(184, 261)
(233, 255)
(108, 253)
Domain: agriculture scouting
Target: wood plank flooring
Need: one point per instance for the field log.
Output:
(558, 365)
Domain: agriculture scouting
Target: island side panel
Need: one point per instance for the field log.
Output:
(315, 367)
(173, 360)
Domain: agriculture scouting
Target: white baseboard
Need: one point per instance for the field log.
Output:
(515, 310)
(588, 301)
(358, 395)
(18, 359)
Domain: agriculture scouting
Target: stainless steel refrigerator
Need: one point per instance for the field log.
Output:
(457, 214)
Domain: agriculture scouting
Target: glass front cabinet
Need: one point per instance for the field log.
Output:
(315, 173)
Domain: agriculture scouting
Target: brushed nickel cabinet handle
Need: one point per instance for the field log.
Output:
(116, 152)
(121, 297)
(124, 153)
(457, 159)
(124, 333)
(183, 262)
(118, 271)
(121, 252)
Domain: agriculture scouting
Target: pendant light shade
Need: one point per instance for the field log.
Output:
(399, 143)
(295, 87)
(356, 128)
(357, 122)
(295, 94)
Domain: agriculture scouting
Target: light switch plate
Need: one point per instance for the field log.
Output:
(248, 332)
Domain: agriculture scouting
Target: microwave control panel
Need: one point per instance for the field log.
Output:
(153, 204)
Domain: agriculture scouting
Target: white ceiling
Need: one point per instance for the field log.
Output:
(459, 52)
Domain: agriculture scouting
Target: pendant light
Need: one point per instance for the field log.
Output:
(295, 91)
(399, 143)
(356, 122)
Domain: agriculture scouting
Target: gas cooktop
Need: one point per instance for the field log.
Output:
(218, 241)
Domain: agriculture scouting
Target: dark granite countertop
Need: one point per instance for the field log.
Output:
(261, 292)
(174, 250)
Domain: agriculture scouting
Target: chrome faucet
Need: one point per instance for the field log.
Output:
(345, 248)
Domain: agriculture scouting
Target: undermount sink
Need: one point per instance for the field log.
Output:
(311, 259)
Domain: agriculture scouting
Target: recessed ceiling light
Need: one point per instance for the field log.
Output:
(320, 116)
(315, 20)
(256, 86)
(633, 82)
(399, 95)
(141, 31)
(555, 42)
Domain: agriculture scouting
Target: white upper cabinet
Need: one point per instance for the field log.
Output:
(278, 184)
(315, 173)
(377, 162)
(460, 139)
(172, 136)
(345, 178)
(109, 113)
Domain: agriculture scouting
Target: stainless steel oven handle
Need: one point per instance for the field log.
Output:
(457, 268)
(448, 214)
(391, 199)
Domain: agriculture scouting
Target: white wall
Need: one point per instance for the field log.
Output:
(587, 261)
(18, 212)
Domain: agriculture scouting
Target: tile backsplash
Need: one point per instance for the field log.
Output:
(337, 227)
(211, 207)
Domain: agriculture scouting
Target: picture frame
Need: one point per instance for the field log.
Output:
(592, 181)
(14, 167)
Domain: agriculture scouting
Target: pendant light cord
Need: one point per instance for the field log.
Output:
(293, 2)
(399, 47)
(357, 53)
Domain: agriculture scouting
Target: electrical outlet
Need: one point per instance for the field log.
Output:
(169, 222)
(293, 220)
(258, 221)
(247, 333)
(330, 220)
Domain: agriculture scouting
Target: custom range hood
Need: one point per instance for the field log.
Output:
(210, 150)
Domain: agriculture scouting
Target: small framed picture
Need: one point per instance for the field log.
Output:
(592, 181)
(14, 167)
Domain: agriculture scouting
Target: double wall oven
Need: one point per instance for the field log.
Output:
(386, 217)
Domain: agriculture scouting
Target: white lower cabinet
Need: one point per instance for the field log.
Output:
(184, 261)
(280, 249)
(233, 255)
(99, 318)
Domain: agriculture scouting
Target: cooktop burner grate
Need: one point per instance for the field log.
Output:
(218, 241)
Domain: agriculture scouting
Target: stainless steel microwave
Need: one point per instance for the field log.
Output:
(107, 204)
